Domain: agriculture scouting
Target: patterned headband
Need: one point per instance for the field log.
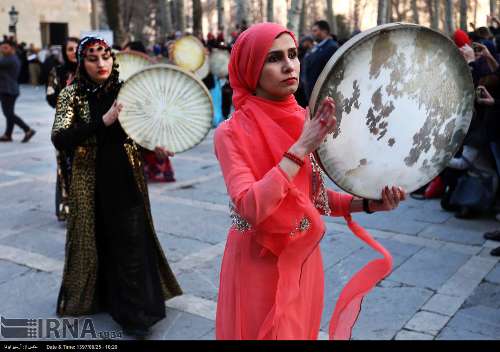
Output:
(89, 41)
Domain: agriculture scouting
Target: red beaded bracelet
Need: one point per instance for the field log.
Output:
(294, 158)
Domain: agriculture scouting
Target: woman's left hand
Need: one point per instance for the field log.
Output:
(390, 199)
(162, 153)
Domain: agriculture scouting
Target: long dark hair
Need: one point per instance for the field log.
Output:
(71, 66)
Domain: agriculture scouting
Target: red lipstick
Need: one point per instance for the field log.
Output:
(290, 81)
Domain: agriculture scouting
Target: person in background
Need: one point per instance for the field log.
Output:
(34, 65)
(319, 55)
(211, 42)
(136, 46)
(52, 60)
(22, 53)
(60, 77)
(10, 66)
(493, 104)
(305, 47)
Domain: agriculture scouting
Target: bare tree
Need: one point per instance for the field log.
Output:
(414, 11)
(294, 16)
(255, 11)
(382, 12)
(435, 14)
(303, 14)
(220, 15)
(115, 20)
(241, 12)
(356, 13)
(166, 16)
(388, 15)
(463, 14)
(197, 17)
(449, 28)
(475, 12)
(270, 11)
(94, 14)
(330, 15)
(180, 19)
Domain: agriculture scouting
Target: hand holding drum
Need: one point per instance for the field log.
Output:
(316, 129)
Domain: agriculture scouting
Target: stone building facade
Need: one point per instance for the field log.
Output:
(46, 22)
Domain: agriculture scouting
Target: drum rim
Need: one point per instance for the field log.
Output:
(349, 45)
(179, 69)
(205, 66)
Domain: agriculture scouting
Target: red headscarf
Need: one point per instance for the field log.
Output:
(263, 130)
(248, 56)
(461, 38)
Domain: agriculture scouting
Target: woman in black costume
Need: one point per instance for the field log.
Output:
(114, 261)
(60, 77)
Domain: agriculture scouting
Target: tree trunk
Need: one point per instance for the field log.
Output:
(197, 17)
(166, 17)
(357, 9)
(94, 15)
(179, 16)
(115, 22)
(435, 14)
(294, 16)
(330, 15)
(303, 14)
(449, 17)
(270, 11)
(389, 18)
(382, 12)
(463, 15)
(220, 15)
(475, 12)
(241, 12)
(414, 10)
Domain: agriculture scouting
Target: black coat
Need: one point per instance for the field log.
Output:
(315, 61)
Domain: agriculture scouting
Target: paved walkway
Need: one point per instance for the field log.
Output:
(445, 285)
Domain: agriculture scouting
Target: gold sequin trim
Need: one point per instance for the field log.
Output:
(239, 223)
(320, 196)
(302, 226)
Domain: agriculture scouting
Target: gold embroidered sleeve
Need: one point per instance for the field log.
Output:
(73, 125)
(65, 111)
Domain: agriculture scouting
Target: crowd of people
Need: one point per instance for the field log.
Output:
(469, 184)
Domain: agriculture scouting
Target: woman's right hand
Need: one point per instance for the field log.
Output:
(316, 129)
(111, 116)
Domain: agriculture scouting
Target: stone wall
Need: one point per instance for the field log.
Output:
(33, 12)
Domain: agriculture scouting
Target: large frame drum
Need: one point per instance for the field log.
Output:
(404, 97)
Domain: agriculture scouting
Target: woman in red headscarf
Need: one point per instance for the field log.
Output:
(271, 280)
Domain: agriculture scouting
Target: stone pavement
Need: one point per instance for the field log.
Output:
(445, 285)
